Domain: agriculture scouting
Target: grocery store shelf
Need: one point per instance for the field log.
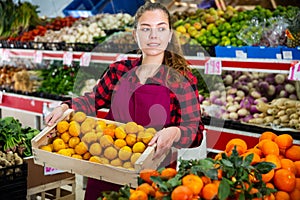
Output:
(241, 64)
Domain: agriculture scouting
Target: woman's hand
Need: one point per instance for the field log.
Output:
(164, 140)
(56, 114)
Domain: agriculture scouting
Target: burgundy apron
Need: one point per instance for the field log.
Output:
(147, 105)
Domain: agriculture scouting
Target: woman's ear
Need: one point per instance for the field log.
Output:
(170, 36)
(134, 35)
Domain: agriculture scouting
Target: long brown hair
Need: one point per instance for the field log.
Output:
(173, 56)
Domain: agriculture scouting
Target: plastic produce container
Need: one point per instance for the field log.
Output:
(231, 52)
(291, 53)
(264, 52)
(13, 182)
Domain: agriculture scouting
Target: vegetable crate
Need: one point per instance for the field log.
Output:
(13, 182)
(107, 172)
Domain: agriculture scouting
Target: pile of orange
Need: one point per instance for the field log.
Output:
(100, 141)
(280, 150)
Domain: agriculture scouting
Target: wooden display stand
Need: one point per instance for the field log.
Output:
(60, 186)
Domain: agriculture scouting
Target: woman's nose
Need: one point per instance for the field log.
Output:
(153, 33)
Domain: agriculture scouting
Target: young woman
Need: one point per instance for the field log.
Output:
(156, 90)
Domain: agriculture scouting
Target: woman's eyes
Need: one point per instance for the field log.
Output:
(160, 29)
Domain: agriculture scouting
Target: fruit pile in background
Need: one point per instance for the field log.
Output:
(269, 170)
(211, 27)
(95, 140)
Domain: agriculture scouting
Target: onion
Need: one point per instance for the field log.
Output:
(253, 109)
(279, 78)
(242, 112)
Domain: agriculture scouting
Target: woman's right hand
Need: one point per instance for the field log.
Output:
(52, 118)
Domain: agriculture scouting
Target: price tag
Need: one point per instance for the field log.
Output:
(121, 57)
(5, 55)
(213, 67)
(68, 58)
(38, 57)
(1, 96)
(287, 54)
(51, 170)
(85, 59)
(240, 54)
(294, 72)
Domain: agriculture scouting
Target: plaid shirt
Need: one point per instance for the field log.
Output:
(185, 114)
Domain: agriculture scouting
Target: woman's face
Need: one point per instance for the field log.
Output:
(153, 33)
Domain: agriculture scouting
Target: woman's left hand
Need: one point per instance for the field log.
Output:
(164, 140)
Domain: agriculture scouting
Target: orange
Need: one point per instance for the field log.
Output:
(267, 135)
(297, 164)
(138, 195)
(110, 153)
(284, 180)
(65, 137)
(160, 195)
(86, 156)
(79, 116)
(130, 139)
(205, 180)
(295, 194)
(120, 132)
(147, 188)
(182, 192)
(77, 156)
(145, 175)
(270, 185)
(58, 144)
(95, 149)
(209, 191)
(282, 195)
(270, 147)
(194, 182)
(62, 126)
(73, 141)
(106, 141)
(256, 157)
(89, 137)
(74, 129)
(293, 153)
(125, 153)
(138, 147)
(109, 131)
(298, 183)
(273, 159)
(131, 128)
(240, 144)
(81, 148)
(255, 150)
(119, 143)
(268, 176)
(47, 148)
(284, 141)
(289, 165)
(168, 173)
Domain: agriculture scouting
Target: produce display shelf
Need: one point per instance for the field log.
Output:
(29, 104)
(256, 64)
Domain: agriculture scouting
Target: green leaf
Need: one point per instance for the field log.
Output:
(226, 163)
(242, 196)
(248, 159)
(264, 167)
(224, 189)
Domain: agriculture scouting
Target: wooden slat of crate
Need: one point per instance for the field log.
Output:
(105, 172)
(53, 190)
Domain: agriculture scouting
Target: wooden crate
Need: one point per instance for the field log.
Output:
(54, 190)
(105, 172)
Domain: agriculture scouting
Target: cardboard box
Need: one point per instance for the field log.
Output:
(86, 168)
(36, 176)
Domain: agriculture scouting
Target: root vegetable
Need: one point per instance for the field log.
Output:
(276, 122)
(294, 116)
(272, 111)
(256, 121)
(290, 111)
(255, 94)
(290, 103)
(279, 78)
(262, 107)
(242, 112)
(289, 88)
(293, 122)
(280, 113)
(268, 119)
(284, 118)
(233, 116)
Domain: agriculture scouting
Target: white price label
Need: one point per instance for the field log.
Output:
(5, 55)
(121, 57)
(51, 170)
(294, 72)
(1, 96)
(38, 57)
(85, 59)
(213, 67)
(68, 58)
